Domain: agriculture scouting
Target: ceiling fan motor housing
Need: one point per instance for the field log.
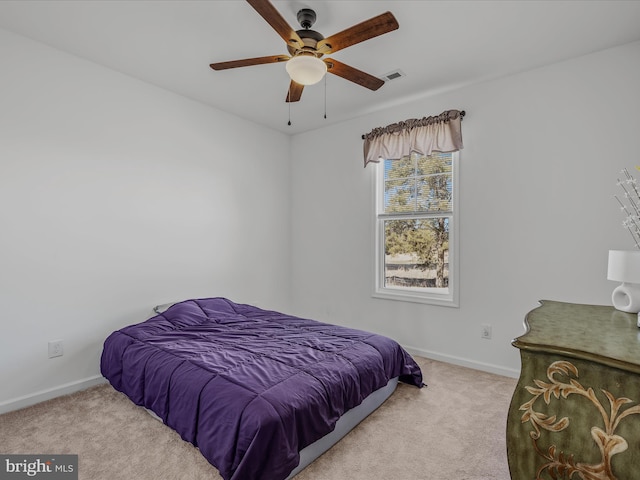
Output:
(310, 39)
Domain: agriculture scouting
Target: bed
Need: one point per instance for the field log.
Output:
(260, 393)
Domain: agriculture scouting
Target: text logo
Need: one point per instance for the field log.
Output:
(45, 467)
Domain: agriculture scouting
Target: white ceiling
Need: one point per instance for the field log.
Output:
(440, 45)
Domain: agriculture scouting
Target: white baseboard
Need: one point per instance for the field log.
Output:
(464, 362)
(48, 394)
(43, 395)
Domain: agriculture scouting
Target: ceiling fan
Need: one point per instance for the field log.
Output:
(306, 47)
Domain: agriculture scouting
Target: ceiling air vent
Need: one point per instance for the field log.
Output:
(393, 75)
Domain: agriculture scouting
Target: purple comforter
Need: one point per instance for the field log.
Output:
(250, 388)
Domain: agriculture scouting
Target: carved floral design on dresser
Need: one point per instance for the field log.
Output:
(558, 464)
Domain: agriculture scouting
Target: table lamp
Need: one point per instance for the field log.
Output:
(624, 266)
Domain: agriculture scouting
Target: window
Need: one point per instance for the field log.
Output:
(416, 254)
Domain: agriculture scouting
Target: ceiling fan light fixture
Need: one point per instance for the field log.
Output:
(306, 69)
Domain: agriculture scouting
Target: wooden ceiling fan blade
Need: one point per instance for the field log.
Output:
(247, 62)
(267, 11)
(353, 74)
(295, 92)
(383, 23)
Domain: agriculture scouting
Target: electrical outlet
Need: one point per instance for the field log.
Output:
(485, 331)
(55, 349)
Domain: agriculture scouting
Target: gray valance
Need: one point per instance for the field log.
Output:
(440, 133)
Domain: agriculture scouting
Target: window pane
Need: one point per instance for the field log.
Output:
(417, 254)
(434, 193)
(418, 184)
(402, 168)
(437, 162)
(400, 195)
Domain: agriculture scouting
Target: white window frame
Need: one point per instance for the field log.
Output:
(379, 290)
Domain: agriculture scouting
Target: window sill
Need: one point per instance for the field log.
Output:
(408, 296)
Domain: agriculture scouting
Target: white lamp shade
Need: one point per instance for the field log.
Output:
(306, 69)
(624, 266)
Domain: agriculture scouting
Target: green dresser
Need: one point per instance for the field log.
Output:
(575, 412)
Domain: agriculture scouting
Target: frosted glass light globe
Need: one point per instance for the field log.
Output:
(306, 69)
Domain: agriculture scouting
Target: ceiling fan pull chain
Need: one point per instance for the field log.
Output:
(289, 103)
(325, 97)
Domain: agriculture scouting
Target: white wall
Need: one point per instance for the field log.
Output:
(542, 153)
(116, 196)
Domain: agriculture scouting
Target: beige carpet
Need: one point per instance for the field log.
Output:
(454, 429)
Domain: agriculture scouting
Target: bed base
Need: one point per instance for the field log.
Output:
(344, 425)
